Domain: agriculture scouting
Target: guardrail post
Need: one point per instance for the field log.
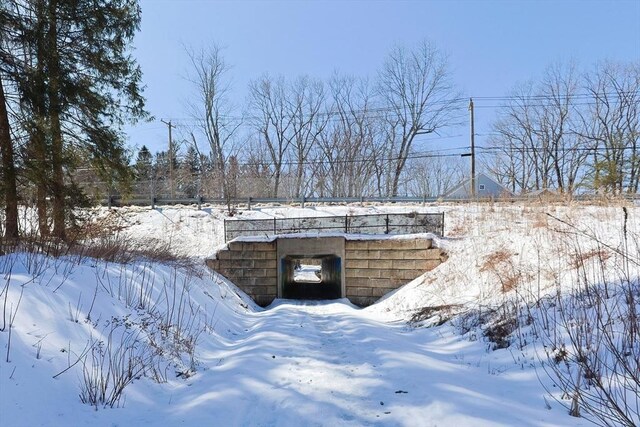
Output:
(226, 239)
(303, 199)
(109, 201)
(387, 224)
(275, 229)
(442, 226)
(249, 203)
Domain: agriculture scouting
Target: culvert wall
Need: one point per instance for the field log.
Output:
(369, 268)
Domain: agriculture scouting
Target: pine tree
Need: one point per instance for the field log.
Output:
(8, 173)
(90, 89)
(8, 183)
(144, 164)
(189, 175)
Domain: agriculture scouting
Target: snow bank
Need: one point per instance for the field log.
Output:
(210, 356)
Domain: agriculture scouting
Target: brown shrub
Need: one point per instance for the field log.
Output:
(579, 259)
(500, 264)
(445, 312)
(494, 259)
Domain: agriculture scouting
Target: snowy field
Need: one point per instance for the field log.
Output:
(146, 343)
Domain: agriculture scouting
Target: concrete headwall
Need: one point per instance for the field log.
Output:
(370, 268)
(376, 267)
(252, 266)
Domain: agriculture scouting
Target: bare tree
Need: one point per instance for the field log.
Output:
(556, 125)
(433, 176)
(612, 125)
(308, 122)
(536, 142)
(351, 141)
(214, 112)
(416, 86)
(257, 173)
(271, 118)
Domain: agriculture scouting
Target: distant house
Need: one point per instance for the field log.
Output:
(486, 187)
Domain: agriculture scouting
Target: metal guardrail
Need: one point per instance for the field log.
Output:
(400, 223)
(250, 202)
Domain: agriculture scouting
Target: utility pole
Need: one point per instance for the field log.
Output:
(473, 152)
(173, 191)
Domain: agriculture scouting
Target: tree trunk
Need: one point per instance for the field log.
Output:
(8, 172)
(299, 175)
(38, 141)
(57, 184)
(276, 182)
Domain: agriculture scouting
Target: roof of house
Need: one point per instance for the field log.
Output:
(480, 176)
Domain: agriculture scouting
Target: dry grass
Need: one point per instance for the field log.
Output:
(458, 230)
(579, 259)
(495, 259)
(500, 263)
(444, 313)
(99, 239)
(540, 220)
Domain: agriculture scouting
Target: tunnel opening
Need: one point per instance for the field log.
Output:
(315, 277)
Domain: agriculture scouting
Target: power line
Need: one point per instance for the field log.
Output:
(372, 113)
(572, 96)
(443, 153)
(516, 149)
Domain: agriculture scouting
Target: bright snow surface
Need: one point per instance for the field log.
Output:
(292, 364)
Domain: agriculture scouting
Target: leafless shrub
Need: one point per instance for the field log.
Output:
(541, 221)
(497, 324)
(111, 366)
(443, 313)
(162, 330)
(592, 337)
(458, 230)
(501, 264)
(9, 309)
(7, 267)
(578, 259)
(121, 249)
(499, 331)
(98, 239)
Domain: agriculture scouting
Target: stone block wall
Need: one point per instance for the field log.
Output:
(376, 267)
(252, 266)
(371, 268)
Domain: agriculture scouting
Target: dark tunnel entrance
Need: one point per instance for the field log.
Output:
(316, 277)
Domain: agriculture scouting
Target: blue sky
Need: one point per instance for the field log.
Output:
(492, 45)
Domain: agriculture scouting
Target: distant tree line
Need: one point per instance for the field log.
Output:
(570, 131)
(345, 137)
(196, 175)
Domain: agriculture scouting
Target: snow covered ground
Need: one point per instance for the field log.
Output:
(200, 353)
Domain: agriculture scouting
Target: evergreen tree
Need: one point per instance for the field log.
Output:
(8, 176)
(91, 87)
(8, 173)
(189, 175)
(144, 164)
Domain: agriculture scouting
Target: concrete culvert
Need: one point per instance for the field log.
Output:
(319, 277)
(325, 267)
